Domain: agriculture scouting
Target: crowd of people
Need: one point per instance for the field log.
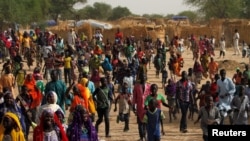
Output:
(79, 75)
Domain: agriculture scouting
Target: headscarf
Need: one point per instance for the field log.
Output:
(84, 82)
(81, 99)
(106, 65)
(86, 92)
(16, 134)
(91, 104)
(54, 107)
(34, 92)
(39, 130)
(75, 128)
(13, 109)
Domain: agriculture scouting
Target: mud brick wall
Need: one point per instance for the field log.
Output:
(158, 28)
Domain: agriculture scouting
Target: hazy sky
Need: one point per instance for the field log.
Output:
(140, 7)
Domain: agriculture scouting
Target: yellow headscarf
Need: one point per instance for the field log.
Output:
(84, 81)
(16, 134)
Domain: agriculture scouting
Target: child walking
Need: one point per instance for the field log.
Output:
(158, 64)
(152, 119)
(170, 92)
(222, 47)
(164, 75)
(160, 100)
(20, 76)
(124, 106)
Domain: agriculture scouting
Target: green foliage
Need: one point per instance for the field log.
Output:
(103, 11)
(84, 13)
(219, 8)
(23, 11)
(119, 12)
(100, 11)
(62, 8)
(29, 11)
(192, 16)
(245, 13)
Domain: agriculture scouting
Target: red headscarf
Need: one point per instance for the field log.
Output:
(39, 130)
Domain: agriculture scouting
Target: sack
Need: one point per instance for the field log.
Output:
(92, 108)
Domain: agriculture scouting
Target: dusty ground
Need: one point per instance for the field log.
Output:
(171, 129)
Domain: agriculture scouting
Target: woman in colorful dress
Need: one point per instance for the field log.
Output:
(81, 128)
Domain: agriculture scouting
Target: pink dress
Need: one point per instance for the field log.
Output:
(139, 98)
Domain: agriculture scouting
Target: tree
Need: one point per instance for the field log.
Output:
(245, 9)
(86, 13)
(119, 12)
(192, 16)
(101, 11)
(146, 15)
(217, 8)
(23, 11)
(62, 7)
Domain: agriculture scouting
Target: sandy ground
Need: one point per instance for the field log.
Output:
(171, 129)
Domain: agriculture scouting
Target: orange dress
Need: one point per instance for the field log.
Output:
(34, 92)
(176, 67)
(181, 62)
(213, 68)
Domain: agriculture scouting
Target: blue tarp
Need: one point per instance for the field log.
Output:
(179, 17)
(51, 22)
